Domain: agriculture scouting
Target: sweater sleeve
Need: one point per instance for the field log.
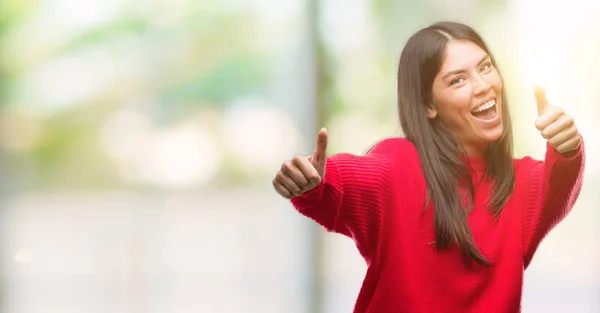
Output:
(352, 195)
(551, 189)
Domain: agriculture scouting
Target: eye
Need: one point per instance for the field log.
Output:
(457, 80)
(486, 66)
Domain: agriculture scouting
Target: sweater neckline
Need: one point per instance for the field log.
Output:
(477, 164)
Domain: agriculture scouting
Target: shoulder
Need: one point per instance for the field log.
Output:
(397, 151)
(393, 147)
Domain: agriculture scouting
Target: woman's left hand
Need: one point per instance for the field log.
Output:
(556, 126)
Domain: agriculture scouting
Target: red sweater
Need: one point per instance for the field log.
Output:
(378, 200)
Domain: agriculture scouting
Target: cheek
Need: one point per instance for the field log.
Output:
(455, 107)
(496, 81)
(461, 99)
(454, 104)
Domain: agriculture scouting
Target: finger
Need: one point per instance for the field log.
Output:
(320, 154)
(284, 192)
(540, 99)
(564, 136)
(308, 170)
(290, 170)
(562, 123)
(550, 116)
(570, 145)
(289, 184)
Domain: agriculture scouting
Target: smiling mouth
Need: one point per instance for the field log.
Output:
(486, 111)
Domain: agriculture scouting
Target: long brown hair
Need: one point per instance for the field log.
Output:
(439, 152)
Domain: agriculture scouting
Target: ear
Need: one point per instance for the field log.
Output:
(431, 112)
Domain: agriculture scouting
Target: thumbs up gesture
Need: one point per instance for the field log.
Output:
(302, 173)
(556, 126)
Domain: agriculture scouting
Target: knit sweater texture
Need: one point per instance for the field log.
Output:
(379, 201)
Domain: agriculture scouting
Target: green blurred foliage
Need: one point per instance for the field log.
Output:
(219, 63)
(204, 60)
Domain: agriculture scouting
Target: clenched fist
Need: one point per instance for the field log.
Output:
(302, 173)
(556, 126)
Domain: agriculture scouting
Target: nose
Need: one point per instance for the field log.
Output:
(482, 86)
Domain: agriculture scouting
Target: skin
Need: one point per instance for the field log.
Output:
(466, 79)
(556, 127)
(302, 173)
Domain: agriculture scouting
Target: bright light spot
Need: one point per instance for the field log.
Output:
(67, 81)
(545, 45)
(181, 157)
(76, 14)
(557, 48)
(544, 64)
(24, 255)
(260, 135)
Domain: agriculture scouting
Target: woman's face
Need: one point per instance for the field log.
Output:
(467, 96)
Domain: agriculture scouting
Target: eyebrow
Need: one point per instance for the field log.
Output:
(454, 72)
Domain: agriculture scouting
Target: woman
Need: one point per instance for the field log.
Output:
(445, 218)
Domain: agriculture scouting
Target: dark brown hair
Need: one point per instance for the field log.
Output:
(439, 152)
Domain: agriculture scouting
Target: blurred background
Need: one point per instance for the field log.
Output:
(139, 140)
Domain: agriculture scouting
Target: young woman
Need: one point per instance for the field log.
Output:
(445, 218)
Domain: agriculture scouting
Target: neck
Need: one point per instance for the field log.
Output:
(473, 151)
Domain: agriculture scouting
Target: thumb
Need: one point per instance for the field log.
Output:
(321, 152)
(540, 98)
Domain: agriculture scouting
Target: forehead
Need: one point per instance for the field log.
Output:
(461, 54)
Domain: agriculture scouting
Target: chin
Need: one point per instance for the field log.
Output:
(493, 135)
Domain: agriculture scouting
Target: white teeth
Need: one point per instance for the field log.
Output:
(485, 106)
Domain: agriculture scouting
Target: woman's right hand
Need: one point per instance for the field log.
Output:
(302, 173)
